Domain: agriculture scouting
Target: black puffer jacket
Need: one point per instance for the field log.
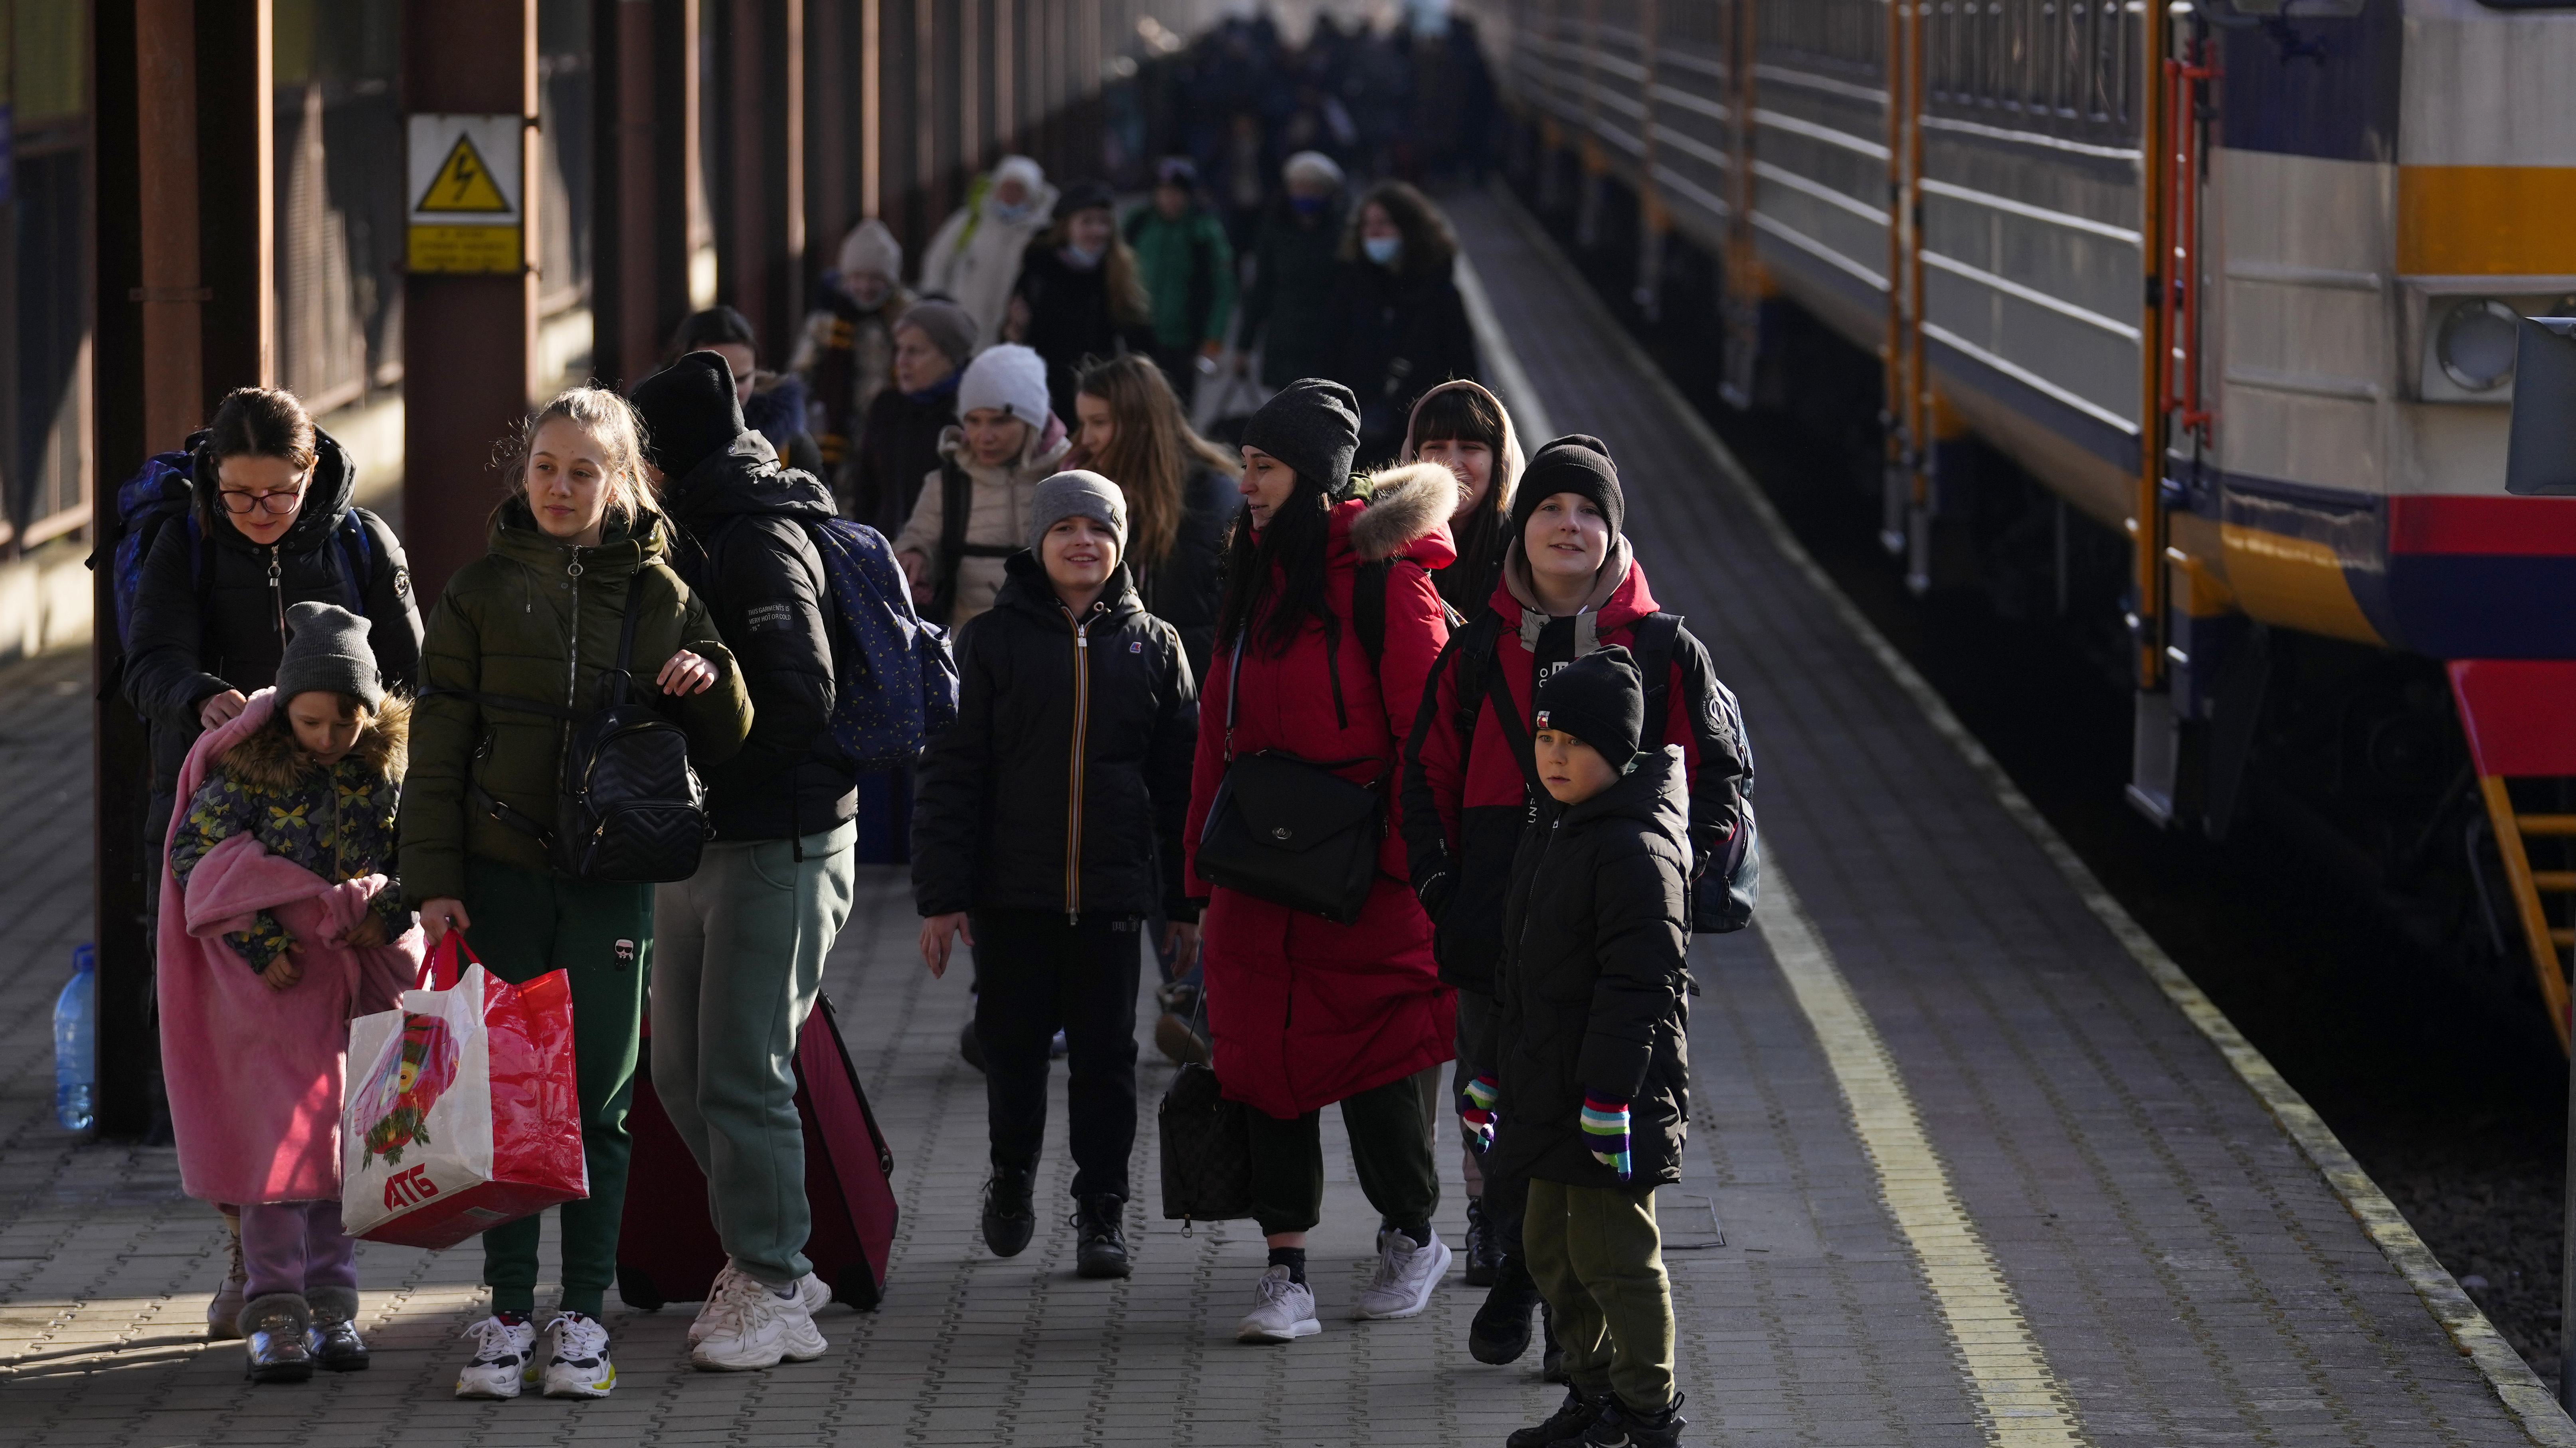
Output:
(1390, 337)
(209, 615)
(1186, 588)
(743, 547)
(1594, 986)
(898, 448)
(1059, 736)
(1071, 319)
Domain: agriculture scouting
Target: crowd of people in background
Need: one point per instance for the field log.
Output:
(1367, 578)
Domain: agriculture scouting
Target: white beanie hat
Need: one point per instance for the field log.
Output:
(1021, 169)
(871, 250)
(1315, 164)
(1008, 378)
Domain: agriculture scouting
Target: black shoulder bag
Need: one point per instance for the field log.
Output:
(1289, 830)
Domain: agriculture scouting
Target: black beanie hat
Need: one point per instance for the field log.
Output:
(1084, 196)
(1599, 699)
(1313, 426)
(689, 413)
(1572, 464)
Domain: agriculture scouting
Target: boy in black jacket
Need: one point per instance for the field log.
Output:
(1038, 825)
(1593, 1104)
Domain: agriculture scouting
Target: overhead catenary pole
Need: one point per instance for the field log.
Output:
(645, 171)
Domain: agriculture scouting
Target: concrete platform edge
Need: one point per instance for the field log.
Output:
(2506, 1373)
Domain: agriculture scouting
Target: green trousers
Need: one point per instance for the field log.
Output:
(600, 936)
(1599, 1261)
(737, 963)
(1390, 1152)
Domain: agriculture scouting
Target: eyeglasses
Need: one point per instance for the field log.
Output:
(240, 504)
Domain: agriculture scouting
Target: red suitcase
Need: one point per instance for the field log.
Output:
(666, 1242)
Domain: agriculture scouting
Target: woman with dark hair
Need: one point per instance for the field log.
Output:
(773, 403)
(1180, 493)
(1396, 325)
(899, 441)
(1081, 294)
(1464, 428)
(1305, 1012)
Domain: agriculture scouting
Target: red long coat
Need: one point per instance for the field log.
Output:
(1303, 1012)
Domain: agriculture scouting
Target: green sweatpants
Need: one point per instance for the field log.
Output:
(737, 963)
(1599, 1261)
(600, 936)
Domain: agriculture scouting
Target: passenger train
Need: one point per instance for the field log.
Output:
(2237, 280)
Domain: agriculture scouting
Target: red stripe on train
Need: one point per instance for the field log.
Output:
(2434, 523)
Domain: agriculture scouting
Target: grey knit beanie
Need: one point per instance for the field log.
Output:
(326, 652)
(946, 325)
(1311, 425)
(1077, 494)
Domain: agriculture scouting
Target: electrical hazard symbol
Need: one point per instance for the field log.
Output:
(463, 183)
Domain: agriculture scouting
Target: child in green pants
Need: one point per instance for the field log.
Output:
(1591, 1105)
(538, 618)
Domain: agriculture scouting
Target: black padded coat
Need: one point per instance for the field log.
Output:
(1186, 589)
(1065, 780)
(743, 547)
(210, 616)
(1594, 987)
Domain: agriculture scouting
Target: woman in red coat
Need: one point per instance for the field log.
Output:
(1303, 1012)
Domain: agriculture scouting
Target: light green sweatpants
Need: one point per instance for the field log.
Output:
(737, 963)
(1598, 1258)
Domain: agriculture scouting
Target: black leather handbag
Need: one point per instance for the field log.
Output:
(1291, 831)
(1207, 1148)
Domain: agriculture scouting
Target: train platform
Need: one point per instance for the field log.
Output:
(1973, 1163)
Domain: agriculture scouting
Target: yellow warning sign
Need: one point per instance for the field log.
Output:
(463, 183)
(465, 249)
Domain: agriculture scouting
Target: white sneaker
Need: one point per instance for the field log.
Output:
(752, 1327)
(577, 1364)
(1405, 1276)
(716, 1292)
(810, 1290)
(1282, 1311)
(503, 1362)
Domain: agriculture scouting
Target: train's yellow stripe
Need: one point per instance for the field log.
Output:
(2486, 220)
(2020, 1399)
(2296, 582)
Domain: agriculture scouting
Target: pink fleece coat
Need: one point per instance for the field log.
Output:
(255, 1074)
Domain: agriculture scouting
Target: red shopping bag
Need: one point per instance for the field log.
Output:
(463, 1112)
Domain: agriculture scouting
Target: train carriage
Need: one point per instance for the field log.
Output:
(2238, 281)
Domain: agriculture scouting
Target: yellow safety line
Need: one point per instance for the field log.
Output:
(2512, 1379)
(2019, 1399)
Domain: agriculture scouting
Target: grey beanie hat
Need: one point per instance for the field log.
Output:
(1077, 494)
(326, 651)
(1313, 426)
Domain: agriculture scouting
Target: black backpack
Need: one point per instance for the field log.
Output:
(629, 809)
(1722, 900)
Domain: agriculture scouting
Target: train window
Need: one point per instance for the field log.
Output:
(2063, 66)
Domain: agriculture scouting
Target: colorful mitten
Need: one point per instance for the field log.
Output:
(1605, 1130)
(1477, 1115)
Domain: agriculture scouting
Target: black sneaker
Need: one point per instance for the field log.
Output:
(1620, 1426)
(1103, 1246)
(1484, 1245)
(1551, 1358)
(1501, 1331)
(1568, 1425)
(1009, 1217)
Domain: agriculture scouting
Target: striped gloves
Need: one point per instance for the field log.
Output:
(1476, 1114)
(1605, 1130)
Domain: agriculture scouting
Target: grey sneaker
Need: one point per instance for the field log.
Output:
(1405, 1276)
(1282, 1311)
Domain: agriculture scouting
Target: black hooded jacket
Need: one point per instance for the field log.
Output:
(1594, 987)
(1059, 740)
(744, 548)
(210, 615)
(1186, 588)
(1390, 337)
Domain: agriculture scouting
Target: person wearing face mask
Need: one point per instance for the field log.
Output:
(531, 627)
(974, 257)
(1081, 295)
(1569, 587)
(1396, 326)
(899, 438)
(1294, 262)
(845, 355)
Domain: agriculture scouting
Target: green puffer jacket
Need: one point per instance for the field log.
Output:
(538, 619)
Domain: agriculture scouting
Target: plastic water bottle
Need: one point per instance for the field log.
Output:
(76, 1041)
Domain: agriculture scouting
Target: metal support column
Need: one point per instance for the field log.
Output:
(646, 175)
(184, 314)
(760, 234)
(469, 341)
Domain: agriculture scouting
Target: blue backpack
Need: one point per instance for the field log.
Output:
(895, 684)
(164, 492)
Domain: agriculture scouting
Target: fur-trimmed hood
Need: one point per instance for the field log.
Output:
(268, 758)
(1405, 505)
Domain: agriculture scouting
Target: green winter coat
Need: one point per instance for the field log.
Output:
(538, 619)
(1189, 273)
